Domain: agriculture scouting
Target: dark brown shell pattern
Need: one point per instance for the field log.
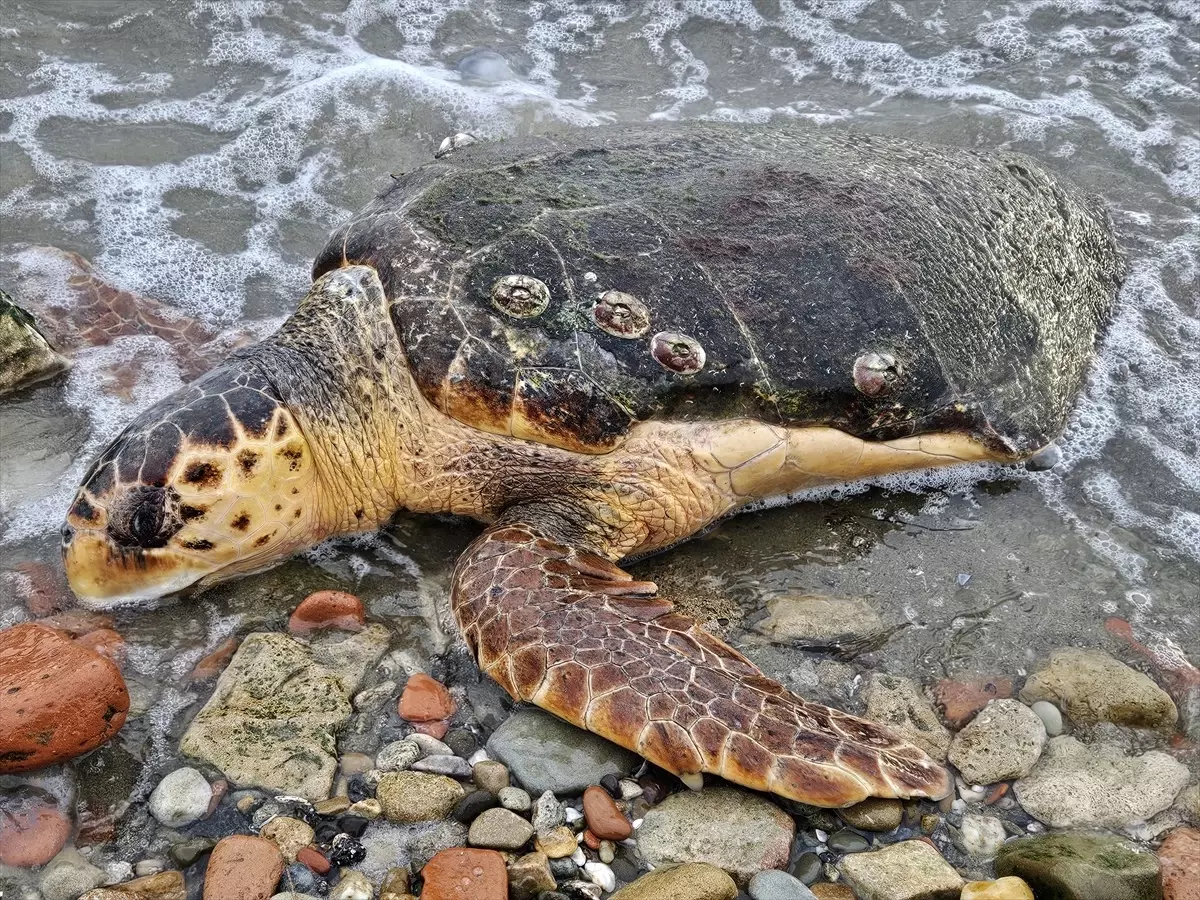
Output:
(562, 289)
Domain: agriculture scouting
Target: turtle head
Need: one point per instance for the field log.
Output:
(215, 480)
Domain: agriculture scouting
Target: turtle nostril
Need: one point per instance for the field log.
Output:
(68, 534)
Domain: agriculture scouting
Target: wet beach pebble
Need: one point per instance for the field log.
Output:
(42, 673)
(901, 871)
(500, 829)
(181, 798)
(1051, 718)
(773, 884)
(1003, 742)
(515, 799)
(243, 865)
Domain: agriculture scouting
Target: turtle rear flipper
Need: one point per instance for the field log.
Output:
(564, 628)
(79, 307)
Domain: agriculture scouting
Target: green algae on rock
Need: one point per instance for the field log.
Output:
(26, 357)
(272, 720)
(1081, 867)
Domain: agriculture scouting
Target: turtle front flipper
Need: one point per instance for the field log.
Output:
(562, 627)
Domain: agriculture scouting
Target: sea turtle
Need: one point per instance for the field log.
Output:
(598, 344)
(68, 306)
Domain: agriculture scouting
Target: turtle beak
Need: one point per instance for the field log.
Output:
(103, 575)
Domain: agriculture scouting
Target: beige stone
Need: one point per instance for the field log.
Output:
(1008, 888)
(909, 870)
(687, 881)
(416, 796)
(875, 814)
(557, 843)
(288, 834)
(899, 704)
(814, 620)
(1090, 686)
(163, 886)
(529, 875)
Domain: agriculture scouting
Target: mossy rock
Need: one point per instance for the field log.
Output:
(1082, 867)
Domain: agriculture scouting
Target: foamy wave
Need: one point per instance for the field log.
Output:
(293, 114)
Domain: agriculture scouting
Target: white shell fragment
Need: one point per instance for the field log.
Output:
(450, 144)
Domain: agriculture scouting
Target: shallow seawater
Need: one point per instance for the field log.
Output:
(200, 152)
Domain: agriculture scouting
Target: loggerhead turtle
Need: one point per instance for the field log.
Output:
(598, 344)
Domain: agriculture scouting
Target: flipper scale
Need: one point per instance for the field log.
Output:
(563, 628)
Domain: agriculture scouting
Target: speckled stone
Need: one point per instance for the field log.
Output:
(68, 875)
(515, 799)
(1004, 741)
(909, 870)
(397, 756)
(734, 830)
(1179, 857)
(273, 718)
(499, 829)
(417, 797)
(490, 775)
(775, 885)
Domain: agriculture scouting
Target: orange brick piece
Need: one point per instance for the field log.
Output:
(465, 874)
(328, 609)
(425, 700)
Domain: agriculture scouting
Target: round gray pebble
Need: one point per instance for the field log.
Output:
(515, 799)
(771, 884)
(848, 842)
(807, 868)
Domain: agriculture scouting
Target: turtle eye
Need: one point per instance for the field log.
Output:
(146, 520)
(141, 520)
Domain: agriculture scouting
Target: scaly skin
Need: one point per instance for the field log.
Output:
(564, 628)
